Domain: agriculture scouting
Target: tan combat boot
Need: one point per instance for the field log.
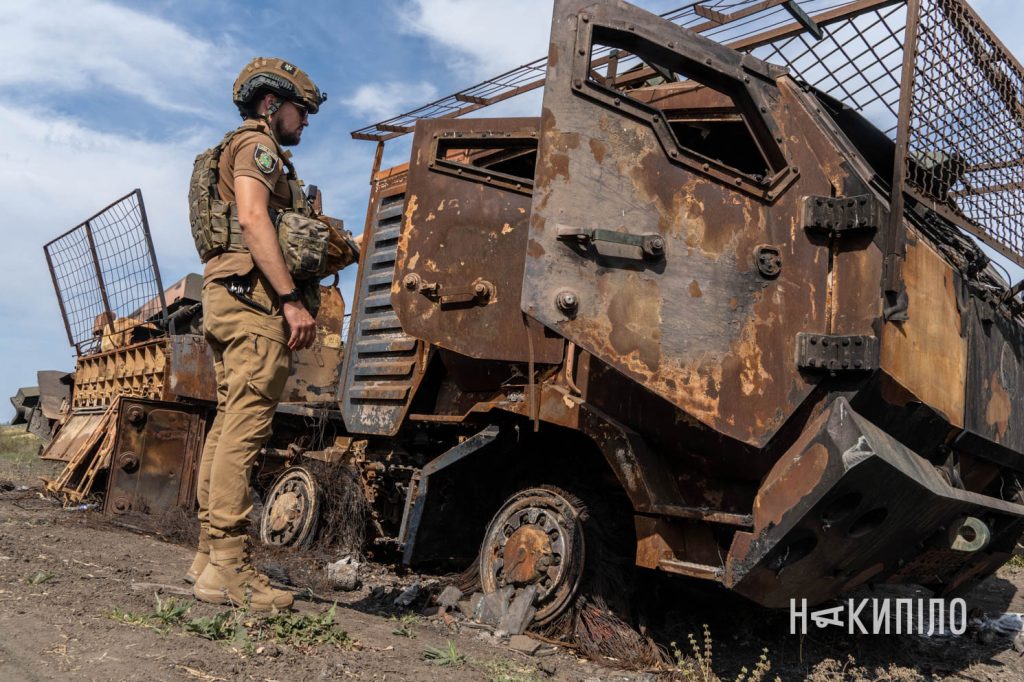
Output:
(202, 556)
(229, 578)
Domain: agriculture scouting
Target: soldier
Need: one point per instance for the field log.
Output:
(264, 254)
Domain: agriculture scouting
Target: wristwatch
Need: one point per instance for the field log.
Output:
(292, 296)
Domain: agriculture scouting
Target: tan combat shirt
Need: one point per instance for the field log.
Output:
(251, 153)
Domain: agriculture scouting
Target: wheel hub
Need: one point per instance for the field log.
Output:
(292, 510)
(536, 539)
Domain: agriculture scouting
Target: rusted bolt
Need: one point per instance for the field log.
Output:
(671, 45)
(483, 289)
(673, 153)
(128, 461)
(567, 302)
(746, 79)
(846, 364)
(582, 51)
(136, 416)
(778, 138)
(658, 244)
(411, 282)
(857, 364)
(814, 340)
(706, 166)
(824, 342)
(846, 342)
(764, 110)
(577, 83)
(617, 101)
(708, 62)
(812, 362)
(585, 18)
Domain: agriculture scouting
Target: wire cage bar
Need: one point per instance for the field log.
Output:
(104, 270)
(928, 73)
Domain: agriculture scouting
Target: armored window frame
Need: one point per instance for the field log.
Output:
(472, 166)
(742, 78)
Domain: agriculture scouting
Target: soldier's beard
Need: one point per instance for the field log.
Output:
(289, 138)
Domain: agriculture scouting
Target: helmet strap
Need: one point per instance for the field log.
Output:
(274, 106)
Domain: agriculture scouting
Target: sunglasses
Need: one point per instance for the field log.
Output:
(303, 109)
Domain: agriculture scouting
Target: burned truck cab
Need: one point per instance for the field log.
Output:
(715, 289)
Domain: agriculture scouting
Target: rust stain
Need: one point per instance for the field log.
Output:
(559, 165)
(410, 208)
(534, 249)
(695, 291)
(598, 149)
(506, 228)
(791, 479)
(635, 312)
(999, 408)
(926, 353)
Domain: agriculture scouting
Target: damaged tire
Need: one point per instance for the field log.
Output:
(537, 539)
(291, 513)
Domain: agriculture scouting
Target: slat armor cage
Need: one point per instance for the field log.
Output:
(928, 73)
(104, 269)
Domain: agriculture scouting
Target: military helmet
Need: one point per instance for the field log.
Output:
(280, 77)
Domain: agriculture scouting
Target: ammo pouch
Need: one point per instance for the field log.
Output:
(304, 245)
(214, 222)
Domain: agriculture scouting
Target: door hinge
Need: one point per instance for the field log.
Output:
(829, 353)
(839, 215)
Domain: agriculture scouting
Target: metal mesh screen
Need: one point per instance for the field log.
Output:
(858, 62)
(965, 133)
(103, 270)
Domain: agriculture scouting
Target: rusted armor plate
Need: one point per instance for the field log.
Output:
(459, 274)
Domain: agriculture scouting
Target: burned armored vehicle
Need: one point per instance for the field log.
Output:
(721, 309)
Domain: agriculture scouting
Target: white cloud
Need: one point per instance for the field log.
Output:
(383, 100)
(486, 38)
(79, 45)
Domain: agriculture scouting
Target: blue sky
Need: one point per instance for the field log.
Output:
(101, 97)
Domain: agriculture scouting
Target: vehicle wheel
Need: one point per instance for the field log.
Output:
(536, 538)
(291, 513)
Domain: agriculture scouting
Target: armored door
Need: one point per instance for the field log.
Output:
(666, 235)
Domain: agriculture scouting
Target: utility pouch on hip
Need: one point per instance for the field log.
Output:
(304, 245)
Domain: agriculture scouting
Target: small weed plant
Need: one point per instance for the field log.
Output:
(38, 578)
(446, 657)
(506, 670)
(404, 623)
(699, 666)
(304, 628)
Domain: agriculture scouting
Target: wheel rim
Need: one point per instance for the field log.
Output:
(536, 538)
(292, 510)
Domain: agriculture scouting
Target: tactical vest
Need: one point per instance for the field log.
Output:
(215, 227)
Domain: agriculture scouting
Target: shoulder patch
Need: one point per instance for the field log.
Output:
(265, 159)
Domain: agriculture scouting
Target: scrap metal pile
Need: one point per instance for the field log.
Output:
(720, 310)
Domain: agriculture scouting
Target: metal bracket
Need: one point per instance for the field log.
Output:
(834, 354)
(416, 499)
(839, 215)
(651, 245)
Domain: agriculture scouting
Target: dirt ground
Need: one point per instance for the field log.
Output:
(79, 600)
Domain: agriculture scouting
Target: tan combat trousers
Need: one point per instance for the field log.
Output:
(252, 363)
